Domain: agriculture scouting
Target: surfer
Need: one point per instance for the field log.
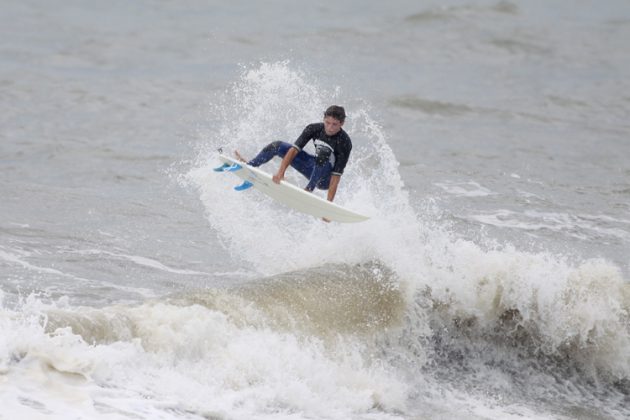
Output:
(332, 150)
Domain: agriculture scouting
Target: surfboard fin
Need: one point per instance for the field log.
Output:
(245, 185)
(221, 168)
(228, 168)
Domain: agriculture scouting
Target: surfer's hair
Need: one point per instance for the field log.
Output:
(337, 112)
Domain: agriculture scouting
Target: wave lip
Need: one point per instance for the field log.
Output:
(542, 306)
(326, 301)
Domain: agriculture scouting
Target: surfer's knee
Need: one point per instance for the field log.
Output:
(272, 147)
(323, 184)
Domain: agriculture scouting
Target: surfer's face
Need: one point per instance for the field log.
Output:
(332, 125)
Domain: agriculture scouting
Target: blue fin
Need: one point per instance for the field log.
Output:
(245, 185)
(228, 168)
(233, 168)
(221, 168)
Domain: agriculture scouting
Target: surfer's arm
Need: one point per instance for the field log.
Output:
(286, 161)
(332, 188)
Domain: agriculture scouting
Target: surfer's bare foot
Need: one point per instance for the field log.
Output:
(239, 157)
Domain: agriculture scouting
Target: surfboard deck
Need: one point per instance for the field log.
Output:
(287, 193)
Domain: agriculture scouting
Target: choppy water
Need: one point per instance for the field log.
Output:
(491, 149)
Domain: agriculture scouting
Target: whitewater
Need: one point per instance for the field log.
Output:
(491, 281)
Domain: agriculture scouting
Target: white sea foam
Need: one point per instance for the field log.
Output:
(465, 189)
(579, 226)
(161, 360)
(585, 306)
(18, 257)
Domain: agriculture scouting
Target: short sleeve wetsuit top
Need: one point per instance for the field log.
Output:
(334, 149)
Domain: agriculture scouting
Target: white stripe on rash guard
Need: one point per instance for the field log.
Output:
(322, 144)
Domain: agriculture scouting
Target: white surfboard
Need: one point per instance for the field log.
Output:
(287, 193)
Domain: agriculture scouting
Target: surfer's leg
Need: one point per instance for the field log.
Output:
(304, 163)
(318, 173)
(324, 181)
(320, 176)
(276, 148)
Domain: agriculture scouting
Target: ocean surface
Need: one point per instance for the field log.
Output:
(491, 150)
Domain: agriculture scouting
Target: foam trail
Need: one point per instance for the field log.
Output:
(15, 259)
(143, 261)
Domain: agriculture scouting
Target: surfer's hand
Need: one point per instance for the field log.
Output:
(277, 177)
